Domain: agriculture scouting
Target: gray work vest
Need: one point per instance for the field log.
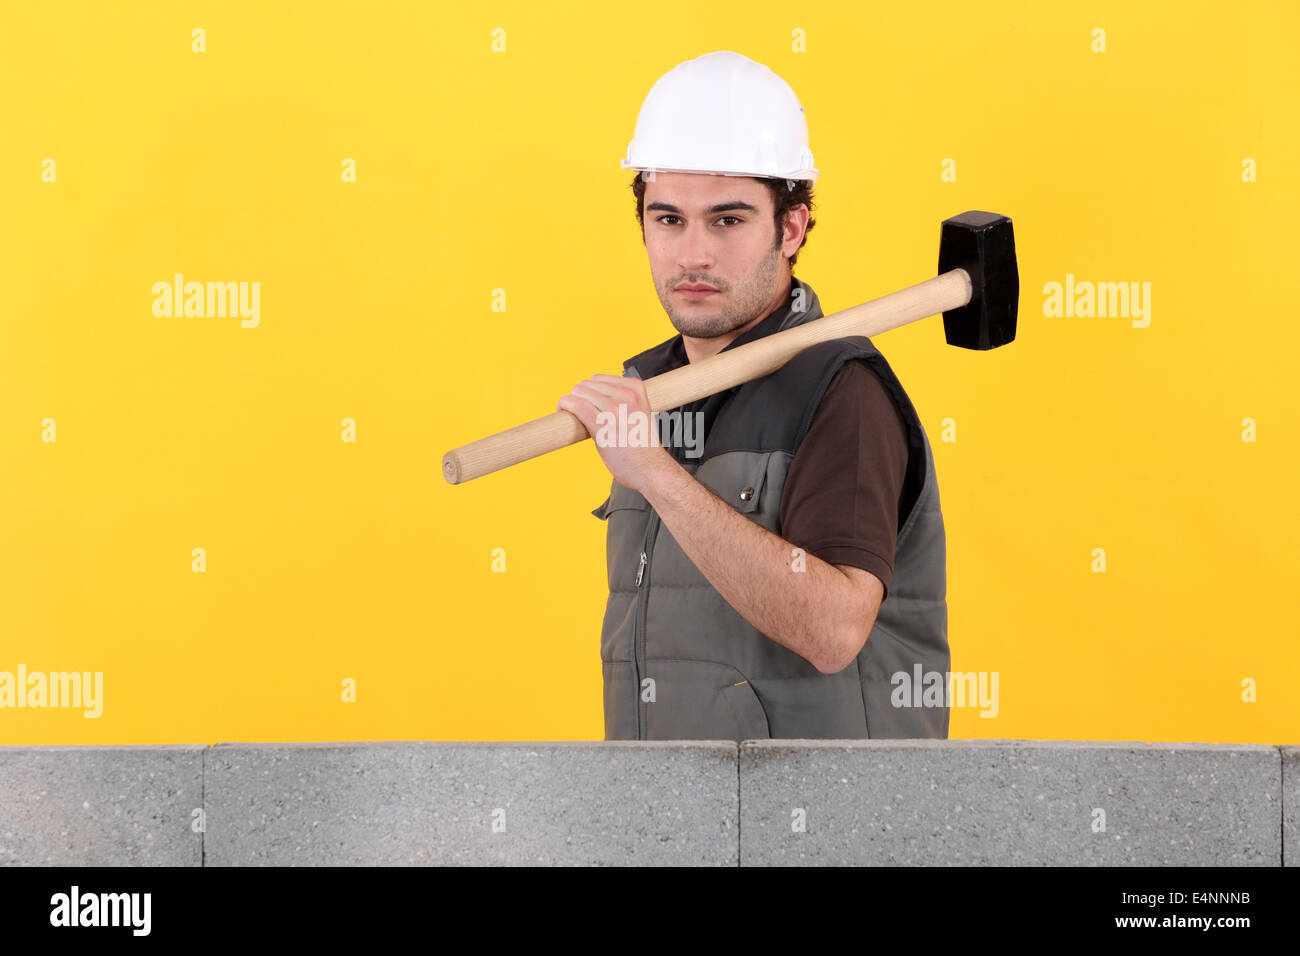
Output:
(668, 634)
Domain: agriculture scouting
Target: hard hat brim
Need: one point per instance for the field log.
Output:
(808, 174)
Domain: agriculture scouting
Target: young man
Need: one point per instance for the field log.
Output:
(750, 585)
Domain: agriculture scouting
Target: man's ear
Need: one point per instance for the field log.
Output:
(785, 221)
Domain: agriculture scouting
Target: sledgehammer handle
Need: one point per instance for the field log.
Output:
(716, 373)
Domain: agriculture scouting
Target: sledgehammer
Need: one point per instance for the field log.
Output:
(977, 291)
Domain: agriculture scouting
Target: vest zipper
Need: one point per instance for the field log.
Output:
(639, 622)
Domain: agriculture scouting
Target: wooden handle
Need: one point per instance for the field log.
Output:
(716, 373)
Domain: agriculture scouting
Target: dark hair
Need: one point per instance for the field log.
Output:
(783, 200)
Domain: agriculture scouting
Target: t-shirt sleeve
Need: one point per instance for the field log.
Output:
(841, 497)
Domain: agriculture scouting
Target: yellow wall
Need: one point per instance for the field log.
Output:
(481, 170)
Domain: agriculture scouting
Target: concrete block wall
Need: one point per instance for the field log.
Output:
(654, 803)
(1291, 805)
(100, 806)
(1010, 803)
(694, 803)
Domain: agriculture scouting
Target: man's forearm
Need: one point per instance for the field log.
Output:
(814, 612)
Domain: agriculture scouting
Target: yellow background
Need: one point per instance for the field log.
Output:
(479, 171)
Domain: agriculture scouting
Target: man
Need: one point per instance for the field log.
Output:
(790, 580)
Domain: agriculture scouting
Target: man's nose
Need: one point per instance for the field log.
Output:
(697, 248)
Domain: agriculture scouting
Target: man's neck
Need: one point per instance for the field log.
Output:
(699, 349)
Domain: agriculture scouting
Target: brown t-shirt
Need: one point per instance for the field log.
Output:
(843, 493)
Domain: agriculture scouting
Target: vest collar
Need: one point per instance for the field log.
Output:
(801, 305)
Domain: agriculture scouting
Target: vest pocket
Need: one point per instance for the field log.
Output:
(703, 700)
(751, 719)
(621, 497)
(737, 477)
(750, 493)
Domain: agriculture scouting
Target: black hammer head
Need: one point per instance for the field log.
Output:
(983, 245)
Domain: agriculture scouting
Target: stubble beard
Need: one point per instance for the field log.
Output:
(746, 301)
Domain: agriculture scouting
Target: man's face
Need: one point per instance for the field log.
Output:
(715, 231)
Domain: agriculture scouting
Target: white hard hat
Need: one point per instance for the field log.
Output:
(722, 113)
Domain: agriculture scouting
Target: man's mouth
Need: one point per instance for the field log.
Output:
(696, 291)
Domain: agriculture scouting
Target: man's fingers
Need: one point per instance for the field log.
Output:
(588, 404)
(591, 393)
(570, 403)
(634, 385)
(613, 391)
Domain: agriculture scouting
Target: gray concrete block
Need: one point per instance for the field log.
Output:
(100, 806)
(973, 802)
(1290, 806)
(564, 803)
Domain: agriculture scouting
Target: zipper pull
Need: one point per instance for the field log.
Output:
(640, 569)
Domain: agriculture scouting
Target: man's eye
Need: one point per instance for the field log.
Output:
(664, 219)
